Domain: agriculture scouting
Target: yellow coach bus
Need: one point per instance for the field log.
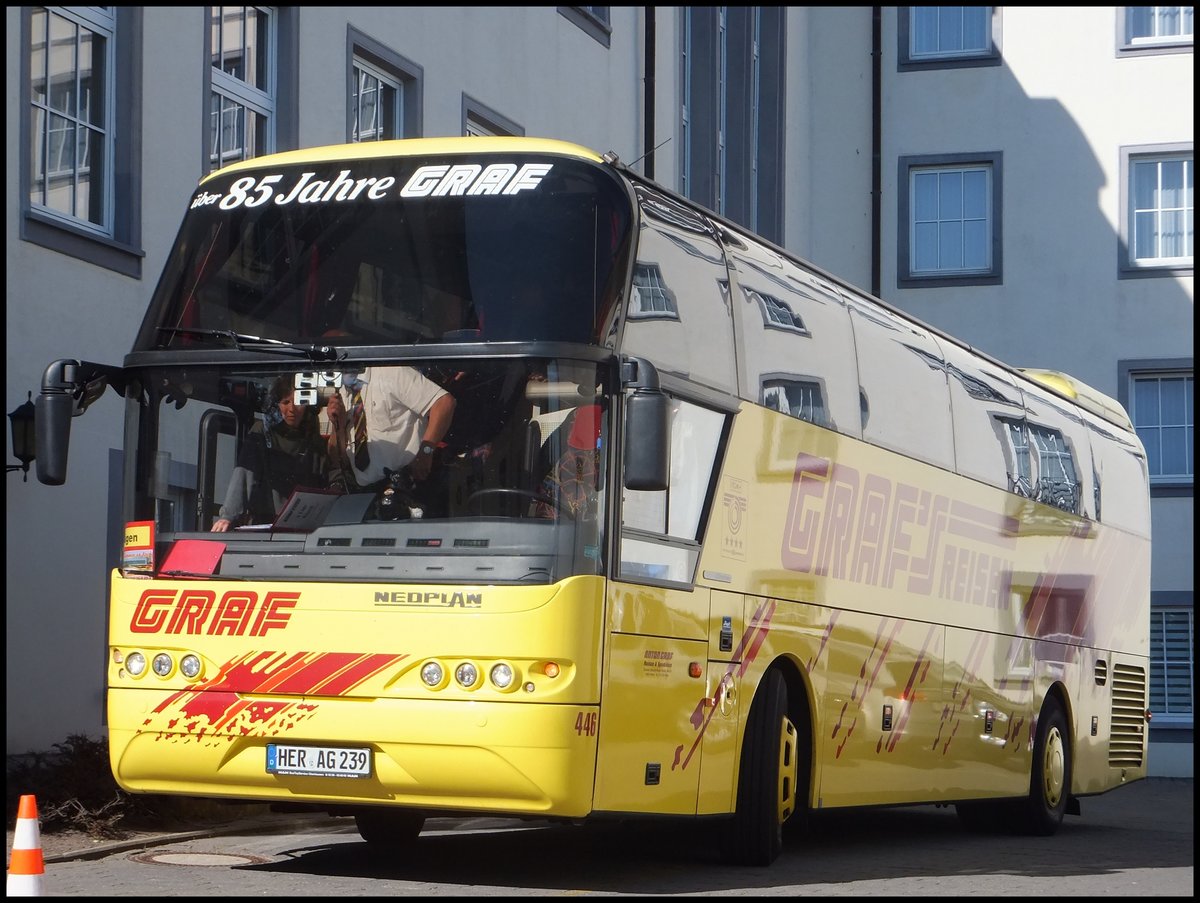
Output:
(710, 532)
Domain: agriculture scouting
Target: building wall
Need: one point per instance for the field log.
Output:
(1059, 107)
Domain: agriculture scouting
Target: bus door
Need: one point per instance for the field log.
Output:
(656, 664)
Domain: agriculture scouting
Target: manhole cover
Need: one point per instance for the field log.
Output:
(224, 859)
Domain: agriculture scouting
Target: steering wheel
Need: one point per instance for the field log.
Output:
(524, 493)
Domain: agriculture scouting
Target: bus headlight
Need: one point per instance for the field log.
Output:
(135, 664)
(432, 675)
(189, 666)
(502, 675)
(162, 664)
(467, 675)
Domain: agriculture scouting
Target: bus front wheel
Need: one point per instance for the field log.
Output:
(766, 794)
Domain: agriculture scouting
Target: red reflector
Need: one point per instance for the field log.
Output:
(695, 670)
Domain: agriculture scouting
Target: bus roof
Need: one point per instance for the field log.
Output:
(412, 147)
(1082, 394)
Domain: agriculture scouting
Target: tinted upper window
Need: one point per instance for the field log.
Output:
(398, 250)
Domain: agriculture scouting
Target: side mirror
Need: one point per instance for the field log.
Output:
(647, 441)
(55, 406)
(68, 388)
(647, 429)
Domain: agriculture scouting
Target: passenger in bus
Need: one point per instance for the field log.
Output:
(387, 420)
(275, 459)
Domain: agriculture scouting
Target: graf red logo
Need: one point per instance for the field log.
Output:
(197, 611)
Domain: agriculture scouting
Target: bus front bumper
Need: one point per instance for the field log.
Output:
(513, 758)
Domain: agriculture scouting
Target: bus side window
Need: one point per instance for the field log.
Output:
(985, 402)
(678, 312)
(797, 349)
(1058, 449)
(903, 375)
(661, 531)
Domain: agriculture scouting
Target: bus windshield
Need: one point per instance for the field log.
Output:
(397, 250)
(515, 492)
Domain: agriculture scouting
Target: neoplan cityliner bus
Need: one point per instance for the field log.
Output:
(816, 553)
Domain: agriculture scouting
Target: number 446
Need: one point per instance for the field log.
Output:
(585, 724)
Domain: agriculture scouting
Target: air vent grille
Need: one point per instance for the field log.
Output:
(1126, 745)
(1101, 672)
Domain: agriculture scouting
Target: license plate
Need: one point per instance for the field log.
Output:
(319, 761)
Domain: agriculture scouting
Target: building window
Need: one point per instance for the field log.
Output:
(593, 20)
(70, 69)
(945, 31)
(1172, 652)
(242, 98)
(801, 398)
(1155, 28)
(384, 91)
(732, 147)
(1158, 229)
(482, 122)
(1161, 407)
(950, 220)
(375, 101)
(80, 75)
(948, 36)
(651, 298)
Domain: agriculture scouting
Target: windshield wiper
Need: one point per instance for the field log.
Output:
(256, 343)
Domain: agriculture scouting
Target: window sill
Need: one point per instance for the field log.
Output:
(55, 235)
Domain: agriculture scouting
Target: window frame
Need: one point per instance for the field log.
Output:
(908, 167)
(594, 21)
(907, 61)
(408, 75)
(490, 122)
(1128, 45)
(1174, 485)
(264, 102)
(711, 138)
(1128, 267)
(116, 244)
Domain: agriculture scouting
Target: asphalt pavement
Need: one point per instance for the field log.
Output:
(1157, 802)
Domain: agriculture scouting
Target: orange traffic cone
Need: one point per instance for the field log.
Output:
(25, 868)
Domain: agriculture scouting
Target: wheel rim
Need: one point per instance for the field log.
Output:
(786, 794)
(1054, 768)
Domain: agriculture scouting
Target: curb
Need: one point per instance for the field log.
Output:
(264, 825)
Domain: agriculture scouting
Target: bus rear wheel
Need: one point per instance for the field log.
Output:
(389, 827)
(1042, 811)
(766, 795)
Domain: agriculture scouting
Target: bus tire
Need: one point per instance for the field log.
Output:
(766, 793)
(389, 827)
(1042, 811)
